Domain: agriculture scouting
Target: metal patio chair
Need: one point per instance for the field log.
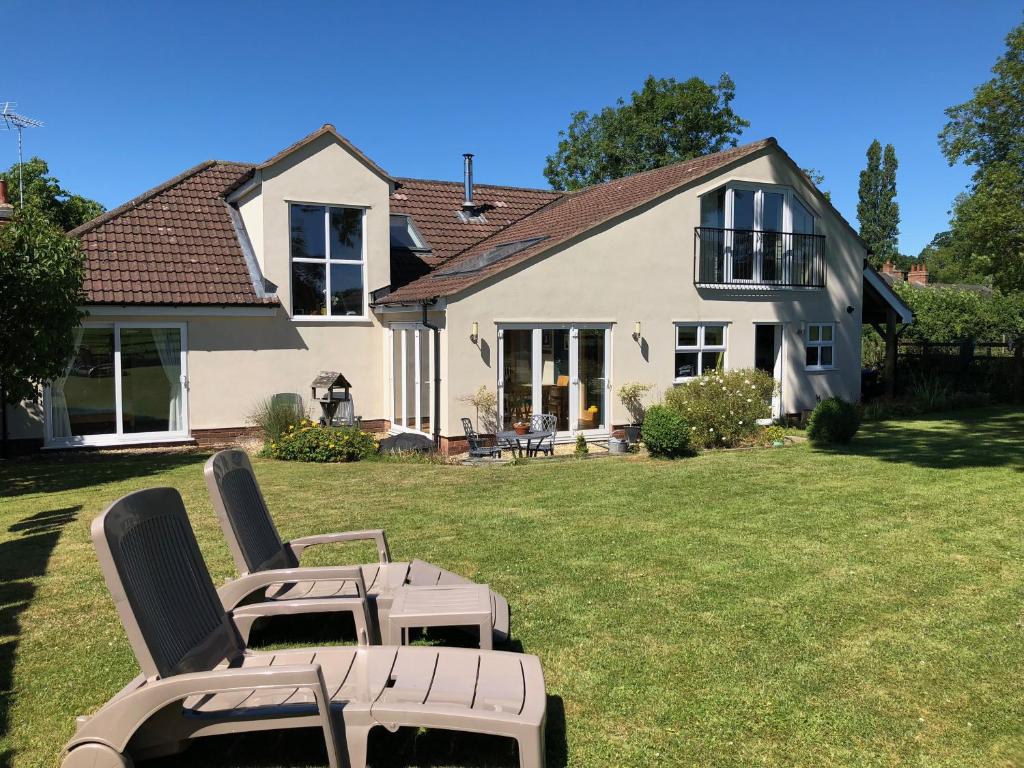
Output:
(544, 422)
(477, 449)
(200, 679)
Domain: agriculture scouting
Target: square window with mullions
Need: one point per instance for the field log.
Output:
(700, 348)
(327, 261)
(820, 346)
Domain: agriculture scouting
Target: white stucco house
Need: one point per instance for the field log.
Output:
(233, 282)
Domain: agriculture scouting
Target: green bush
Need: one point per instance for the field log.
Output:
(722, 408)
(833, 421)
(273, 417)
(312, 442)
(773, 433)
(665, 432)
(581, 449)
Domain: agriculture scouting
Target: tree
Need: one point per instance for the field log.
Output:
(877, 209)
(987, 131)
(817, 178)
(44, 192)
(665, 122)
(41, 273)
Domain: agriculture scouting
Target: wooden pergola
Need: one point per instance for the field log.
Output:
(885, 311)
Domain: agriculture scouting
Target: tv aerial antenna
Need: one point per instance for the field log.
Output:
(12, 121)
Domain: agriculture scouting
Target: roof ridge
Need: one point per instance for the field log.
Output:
(138, 200)
(327, 129)
(400, 179)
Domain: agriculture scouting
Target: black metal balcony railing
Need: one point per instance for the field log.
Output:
(749, 257)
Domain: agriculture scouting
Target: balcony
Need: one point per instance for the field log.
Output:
(746, 257)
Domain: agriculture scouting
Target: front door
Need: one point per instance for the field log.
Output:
(768, 358)
(556, 369)
(412, 382)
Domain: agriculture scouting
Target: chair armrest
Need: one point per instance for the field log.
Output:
(235, 591)
(246, 615)
(297, 546)
(117, 722)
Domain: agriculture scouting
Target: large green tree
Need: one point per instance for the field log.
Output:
(987, 132)
(45, 193)
(665, 122)
(41, 273)
(877, 209)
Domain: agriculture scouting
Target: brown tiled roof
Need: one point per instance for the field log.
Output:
(435, 205)
(566, 217)
(173, 245)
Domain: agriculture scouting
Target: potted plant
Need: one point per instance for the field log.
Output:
(521, 427)
(632, 395)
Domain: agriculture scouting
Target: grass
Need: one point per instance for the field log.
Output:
(790, 607)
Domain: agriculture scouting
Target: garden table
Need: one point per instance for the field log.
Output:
(516, 441)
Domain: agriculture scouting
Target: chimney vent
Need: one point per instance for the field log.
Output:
(467, 167)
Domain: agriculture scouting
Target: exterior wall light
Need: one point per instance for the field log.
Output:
(474, 333)
(636, 331)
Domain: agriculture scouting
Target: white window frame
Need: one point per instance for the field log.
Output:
(327, 261)
(728, 218)
(120, 437)
(700, 348)
(819, 344)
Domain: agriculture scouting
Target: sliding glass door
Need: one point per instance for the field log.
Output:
(125, 383)
(557, 369)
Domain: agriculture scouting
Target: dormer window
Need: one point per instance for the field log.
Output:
(405, 235)
(328, 261)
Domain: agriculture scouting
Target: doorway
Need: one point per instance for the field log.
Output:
(768, 358)
(557, 369)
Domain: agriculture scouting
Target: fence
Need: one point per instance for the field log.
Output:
(989, 367)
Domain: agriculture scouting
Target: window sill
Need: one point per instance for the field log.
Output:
(329, 319)
(820, 369)
(114, 441)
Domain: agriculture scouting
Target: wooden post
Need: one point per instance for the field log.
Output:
(1018, 369)
(890, 352)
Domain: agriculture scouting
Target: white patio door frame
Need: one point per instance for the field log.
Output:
(780, 356)
(120, 437)
(757, 253)
(401, 395)
(536, 372)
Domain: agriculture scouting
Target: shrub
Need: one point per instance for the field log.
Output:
(722, 408)
(833, 421)
(273, 416)
(312, 442)
(930, 392)
(773, 433)
(581, 446)
(665, 432)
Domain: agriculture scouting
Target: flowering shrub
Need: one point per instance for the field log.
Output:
(722, 407)
(311, 442)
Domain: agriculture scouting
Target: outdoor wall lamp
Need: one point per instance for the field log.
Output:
(636, 331)
(849, 310)
(474, 332)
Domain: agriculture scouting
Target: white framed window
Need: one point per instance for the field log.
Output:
(820, 344)
(328, 261)
(700, 348)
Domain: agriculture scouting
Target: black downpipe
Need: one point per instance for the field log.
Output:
(435, 425)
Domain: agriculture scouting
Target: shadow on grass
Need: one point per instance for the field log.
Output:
(406, 748)
(65, 471)
(22, 558)
(980, 438)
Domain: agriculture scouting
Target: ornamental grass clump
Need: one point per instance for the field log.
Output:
(722, 407)
(312, 442)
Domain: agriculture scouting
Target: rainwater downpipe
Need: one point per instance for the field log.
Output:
(435, 422)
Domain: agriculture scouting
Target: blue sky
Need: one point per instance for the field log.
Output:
(134, 93)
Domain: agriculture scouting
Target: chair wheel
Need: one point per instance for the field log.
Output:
(95, 756)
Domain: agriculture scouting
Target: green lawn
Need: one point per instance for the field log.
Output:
(767, 607)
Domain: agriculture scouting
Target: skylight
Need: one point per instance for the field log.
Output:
(490, 256)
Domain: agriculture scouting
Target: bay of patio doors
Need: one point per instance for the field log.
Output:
(556, 369)
(412, 378)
